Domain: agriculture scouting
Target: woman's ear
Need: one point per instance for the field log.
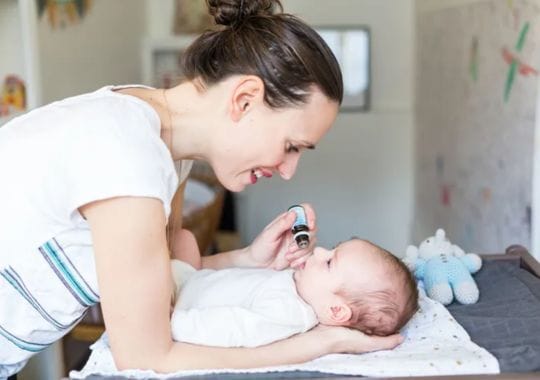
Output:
(247, 93)
(340, 313)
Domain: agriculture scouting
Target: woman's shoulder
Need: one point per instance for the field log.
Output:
(111, 108)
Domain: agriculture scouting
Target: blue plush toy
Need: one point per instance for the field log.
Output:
(445, 269)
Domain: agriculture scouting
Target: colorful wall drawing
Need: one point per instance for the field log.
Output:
(516, 65)
(61, 13)
(475, 122)
(12, 95)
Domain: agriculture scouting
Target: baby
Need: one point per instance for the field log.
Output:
(357, 285)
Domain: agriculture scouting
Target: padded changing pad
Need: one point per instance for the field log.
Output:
(506, 320)
(435, 344)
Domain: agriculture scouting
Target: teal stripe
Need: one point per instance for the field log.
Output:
(22, 344)
(67, 275)
(80, 278)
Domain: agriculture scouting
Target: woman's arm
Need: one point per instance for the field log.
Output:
(135, 283)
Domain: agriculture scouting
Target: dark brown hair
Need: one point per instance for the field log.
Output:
(386, 311)
(286, 53)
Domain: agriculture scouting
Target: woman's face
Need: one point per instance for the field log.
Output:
(270, 142)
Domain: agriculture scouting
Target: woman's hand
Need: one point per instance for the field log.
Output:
(275, 247)
(349, 341)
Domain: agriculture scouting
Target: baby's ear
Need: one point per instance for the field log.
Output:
(340, 313)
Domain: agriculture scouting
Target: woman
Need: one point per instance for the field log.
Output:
(88, 183)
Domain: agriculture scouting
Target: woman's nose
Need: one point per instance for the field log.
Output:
(288, 167)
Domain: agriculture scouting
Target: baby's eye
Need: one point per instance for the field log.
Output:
(328, 263)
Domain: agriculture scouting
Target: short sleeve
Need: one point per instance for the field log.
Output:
(120, 154)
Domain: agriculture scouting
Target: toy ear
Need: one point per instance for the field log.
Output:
(440, 234)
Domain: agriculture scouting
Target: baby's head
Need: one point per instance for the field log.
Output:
(358, 285)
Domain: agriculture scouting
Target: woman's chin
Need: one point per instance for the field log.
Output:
(234, 187)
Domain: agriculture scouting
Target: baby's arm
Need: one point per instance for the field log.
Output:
(185, 248)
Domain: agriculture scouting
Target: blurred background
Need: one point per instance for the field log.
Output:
(442, 132)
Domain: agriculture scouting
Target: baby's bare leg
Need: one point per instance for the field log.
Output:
(185, 248)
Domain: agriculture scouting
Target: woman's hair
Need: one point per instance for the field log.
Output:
(286, 53)
(386, 311)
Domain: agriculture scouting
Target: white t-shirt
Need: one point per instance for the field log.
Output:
(237, 307)
(54, 160)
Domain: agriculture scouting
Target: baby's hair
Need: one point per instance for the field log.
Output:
(378, 312)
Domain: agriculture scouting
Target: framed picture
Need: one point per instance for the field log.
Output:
(351, 46)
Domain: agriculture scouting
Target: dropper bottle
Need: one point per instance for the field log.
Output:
(300, 229)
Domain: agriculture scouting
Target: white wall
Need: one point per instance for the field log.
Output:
(103, 49)
(10, 40)
(535, 230)
(432, 5)
(360, 177)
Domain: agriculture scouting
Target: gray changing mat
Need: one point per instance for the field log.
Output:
(506, 320)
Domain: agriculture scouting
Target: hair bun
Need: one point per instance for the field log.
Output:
(232, 12)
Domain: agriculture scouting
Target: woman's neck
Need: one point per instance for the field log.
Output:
(184, 115)
(187, 122)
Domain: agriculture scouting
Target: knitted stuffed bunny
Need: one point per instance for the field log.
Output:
(445, 269)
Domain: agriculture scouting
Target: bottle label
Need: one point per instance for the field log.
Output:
(301, 219)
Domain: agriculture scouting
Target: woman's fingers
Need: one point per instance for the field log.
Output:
(298, 262)
(376, 343)
(347, 340)
(310, 215)
(298, 256)
(280, 225)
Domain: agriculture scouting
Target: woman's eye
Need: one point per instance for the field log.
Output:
(292, 148)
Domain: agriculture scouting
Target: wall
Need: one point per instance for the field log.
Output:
(10, 40)
(103, 49)
(475, 144)
(360, 177)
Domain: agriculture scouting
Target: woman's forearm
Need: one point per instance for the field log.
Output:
(235, 258)
(297, 349)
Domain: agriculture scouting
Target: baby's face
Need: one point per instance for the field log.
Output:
(353, 263)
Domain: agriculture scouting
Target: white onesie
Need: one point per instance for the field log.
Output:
(237, 307)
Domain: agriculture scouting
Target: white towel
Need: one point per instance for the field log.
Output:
(435, 344)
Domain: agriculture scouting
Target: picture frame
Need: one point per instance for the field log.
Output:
(352, 47)
(161, 60)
